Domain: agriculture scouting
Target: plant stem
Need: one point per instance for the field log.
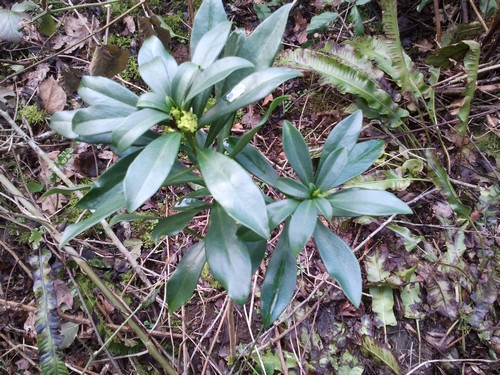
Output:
(231, 331)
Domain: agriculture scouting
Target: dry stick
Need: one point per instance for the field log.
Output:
(109, 232)
(75, 44)
(139, 331)
(452, 361)
(18, 261)
(460, 77)
(478, 15)
(231, 330)
(437, 21)
(5, 304)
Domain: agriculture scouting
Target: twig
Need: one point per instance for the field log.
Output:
(426, 363)
(124, 310)
(460, 77)
(18, 261)
(478, 15)
(437, 21)
(5, 304)
(54, 168)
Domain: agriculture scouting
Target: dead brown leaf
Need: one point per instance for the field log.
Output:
(108, 61)
(129, 26)
(63, 294)
(76, 30)
(52, 95)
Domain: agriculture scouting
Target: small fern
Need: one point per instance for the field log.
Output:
(48, 324)
(348, 78)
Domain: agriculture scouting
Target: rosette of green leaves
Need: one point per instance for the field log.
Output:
(151, 130)
(316, 194)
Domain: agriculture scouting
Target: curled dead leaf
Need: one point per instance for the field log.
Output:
(52, 95)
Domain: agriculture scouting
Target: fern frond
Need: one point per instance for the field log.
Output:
(395, 49)
(347, 79)
(471, 64)
(347, 55)
(47, 323)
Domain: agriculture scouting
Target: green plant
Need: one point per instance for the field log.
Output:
(165, 134)
(48, 324)
(32, 114)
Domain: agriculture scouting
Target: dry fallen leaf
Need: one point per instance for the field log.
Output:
(52, 95)
(108, 61)
(63, 294)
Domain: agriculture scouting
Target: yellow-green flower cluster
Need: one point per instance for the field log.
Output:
(187, 122)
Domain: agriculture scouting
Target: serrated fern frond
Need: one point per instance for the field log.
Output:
(347, 79)
(47, 323)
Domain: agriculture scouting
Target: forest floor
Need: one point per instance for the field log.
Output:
(431, 282)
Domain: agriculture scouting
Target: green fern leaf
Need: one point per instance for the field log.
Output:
(471, 64)
(347, 79)
(47, 323)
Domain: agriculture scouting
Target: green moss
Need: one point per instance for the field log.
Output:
(142, 229)
(489, 143)
(32, 114)
(207, 276)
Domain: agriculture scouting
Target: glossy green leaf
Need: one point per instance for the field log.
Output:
(104, 91)
(99, 119)
(344, 135)
(279, 283)
(172, 225)
(247, 137)
(301, 226)
(361, 157)
(292, 188)
(153, 100)
(181, 284)
(155, 75)
(280, 210)
(113, 204)
(227, 256)
(357, 21)
(257, 251)
(180, 174)
(130, 217)
(184, 77)
(136, 125)
(297, 152)
(211, 44)
(322, 21)
(106, 185)
(234, 190)
(62, 123)
(331, 169)
(339, 261)
(251, 89)
(253, 161)
(263, 44)
(216, 72)
(323, 207)
(211, 13)
(156, 66)
(369, 202)
(151, 167)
